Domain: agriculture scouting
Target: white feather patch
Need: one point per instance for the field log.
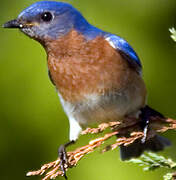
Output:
(75, 128)
(110, 42)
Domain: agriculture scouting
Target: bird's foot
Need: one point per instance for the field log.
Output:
(146, 114)
(63, 158)
(145, 131)
(145, 117)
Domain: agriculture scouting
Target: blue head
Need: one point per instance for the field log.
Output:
(49, 20)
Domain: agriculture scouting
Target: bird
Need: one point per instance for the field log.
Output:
(97, 74)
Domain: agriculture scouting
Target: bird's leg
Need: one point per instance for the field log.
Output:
(145, 127)
(63, 156)
(145, 116)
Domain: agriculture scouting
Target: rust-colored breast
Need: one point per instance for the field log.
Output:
(79, 67)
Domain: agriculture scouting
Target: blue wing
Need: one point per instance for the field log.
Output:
(125, 50)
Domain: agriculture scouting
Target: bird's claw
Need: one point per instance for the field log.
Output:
(63, 159)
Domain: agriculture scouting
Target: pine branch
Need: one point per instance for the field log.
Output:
(130, 127)
(152, 161)
(170, 176)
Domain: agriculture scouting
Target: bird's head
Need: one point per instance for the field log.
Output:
(48, 20)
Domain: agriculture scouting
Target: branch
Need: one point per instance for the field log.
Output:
(152, 161)
(129, 126)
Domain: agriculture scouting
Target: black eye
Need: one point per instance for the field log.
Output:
(46, 16)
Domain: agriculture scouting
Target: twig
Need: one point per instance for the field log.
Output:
(129, 126)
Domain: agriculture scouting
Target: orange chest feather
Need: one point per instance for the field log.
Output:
(79, 67)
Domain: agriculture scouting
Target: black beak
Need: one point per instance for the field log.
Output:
(13, 24)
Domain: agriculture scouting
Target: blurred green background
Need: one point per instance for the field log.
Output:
(33, 124)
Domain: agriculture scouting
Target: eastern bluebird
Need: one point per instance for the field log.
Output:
(98, 76)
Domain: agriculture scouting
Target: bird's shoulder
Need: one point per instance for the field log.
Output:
(126, 51)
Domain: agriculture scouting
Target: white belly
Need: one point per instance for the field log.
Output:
(98, 109)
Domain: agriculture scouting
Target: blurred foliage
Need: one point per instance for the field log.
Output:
(33, 124)
(152, 161)
(173, 33)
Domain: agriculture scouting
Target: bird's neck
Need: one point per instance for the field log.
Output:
(64, 46)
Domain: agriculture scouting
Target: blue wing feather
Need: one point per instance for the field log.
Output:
(125, 50)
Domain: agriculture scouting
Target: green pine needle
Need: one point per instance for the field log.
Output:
(168, 176)
(152, 161)
(173, 33)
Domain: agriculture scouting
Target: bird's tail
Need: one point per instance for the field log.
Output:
(155, 144)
